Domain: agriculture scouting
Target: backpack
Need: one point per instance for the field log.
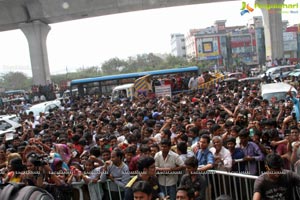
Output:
(14, 191)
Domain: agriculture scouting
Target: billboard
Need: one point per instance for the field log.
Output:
(208, 48)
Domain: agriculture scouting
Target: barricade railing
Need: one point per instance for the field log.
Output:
(78, 186)
(95, 190)
(239, 186)
(218, 78)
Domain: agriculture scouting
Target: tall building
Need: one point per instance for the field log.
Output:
(190, 44)
(238, 46)
(243, 46)
(178, 45)
(256, 23)
(224, 46)
(290, 40)
(203, 44)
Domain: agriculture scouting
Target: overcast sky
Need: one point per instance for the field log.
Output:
(82, 43)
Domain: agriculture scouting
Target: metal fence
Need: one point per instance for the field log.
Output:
(238, 186)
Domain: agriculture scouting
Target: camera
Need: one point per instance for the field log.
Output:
(39, 160)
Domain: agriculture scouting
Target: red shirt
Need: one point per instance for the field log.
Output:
(133, 163)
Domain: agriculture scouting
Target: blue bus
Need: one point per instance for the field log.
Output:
(104, 85)
(15, 96)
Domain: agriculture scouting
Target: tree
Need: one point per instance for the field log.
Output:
(15, 80)
(89, 71)
(113, 66)
(175, 61)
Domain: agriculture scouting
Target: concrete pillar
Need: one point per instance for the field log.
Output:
(36, 33)
(272, 29)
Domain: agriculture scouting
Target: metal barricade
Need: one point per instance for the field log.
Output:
(238, 186)
(96, 191)
(78, 186)
(107, 184)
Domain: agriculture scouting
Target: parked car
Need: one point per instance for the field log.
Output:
(237, 75)
(45, 107)
(275, 71)
(9, 123)
(251, 80)
(295, 73)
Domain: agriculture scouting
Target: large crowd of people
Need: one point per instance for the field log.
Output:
(162, 143)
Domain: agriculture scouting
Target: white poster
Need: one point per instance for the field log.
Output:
(164, 90)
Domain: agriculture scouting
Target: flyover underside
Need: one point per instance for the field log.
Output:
(14, 12)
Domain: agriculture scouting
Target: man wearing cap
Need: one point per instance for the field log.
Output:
(276, 183)
(157, 117)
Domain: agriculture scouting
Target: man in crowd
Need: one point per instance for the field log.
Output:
(168, 163)
(276, 183)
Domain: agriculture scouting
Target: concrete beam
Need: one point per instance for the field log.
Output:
(14, 12)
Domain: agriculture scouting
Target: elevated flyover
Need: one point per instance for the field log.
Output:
(15, 12)
(34, 16)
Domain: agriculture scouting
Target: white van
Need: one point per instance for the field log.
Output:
(278, 90)
(125, 91)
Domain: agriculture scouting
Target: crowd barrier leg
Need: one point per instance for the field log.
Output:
(235, 186)
(78, 187)
(108, 189)
(120, 195)
(296, 193)
(208, 191)
(95, 191)
(112, 195)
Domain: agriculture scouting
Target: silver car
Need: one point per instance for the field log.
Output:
(9, 123)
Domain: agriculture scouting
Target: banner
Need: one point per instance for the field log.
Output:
(164, 90)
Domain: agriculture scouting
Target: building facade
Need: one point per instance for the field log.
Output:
(237, 46)
(178, 45)
(290, 42)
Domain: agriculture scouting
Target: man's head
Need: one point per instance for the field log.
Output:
(191, 164)
(230, 143)
(142, 190)
(116, 157)
(185, 193)
(244, 136)
(274, 164)
(146, 165)
(217, 142)
(165, 146)
(182, 148)
(294, 133)
(204, 141)
(193, 132)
